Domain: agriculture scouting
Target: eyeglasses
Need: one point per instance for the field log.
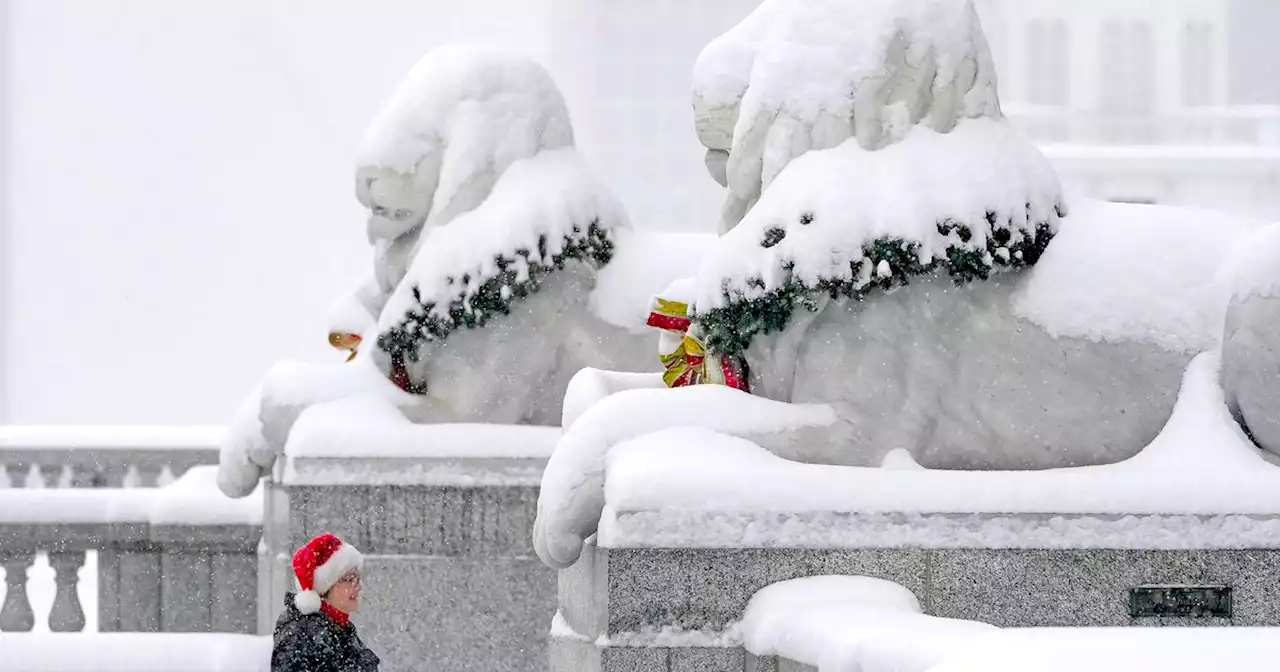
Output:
(352, 579)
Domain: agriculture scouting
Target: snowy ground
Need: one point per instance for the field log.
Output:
(136, 652)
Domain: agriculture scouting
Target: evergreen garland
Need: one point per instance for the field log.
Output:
(494, 296)
(886, 263)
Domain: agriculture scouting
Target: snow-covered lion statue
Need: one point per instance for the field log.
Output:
(502, 266)
(899, 273)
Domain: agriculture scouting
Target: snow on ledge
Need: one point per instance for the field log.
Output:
(832, 529)
(135, 652)
(372, 428)
(851, 623)
(193, 499)
(111, 437)
(461, 472)
(368, 441)
(1118, 649)
(1199, 484)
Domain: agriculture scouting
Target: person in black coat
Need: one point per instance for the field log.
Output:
(315, 632)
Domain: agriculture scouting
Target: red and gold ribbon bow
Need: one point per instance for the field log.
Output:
(683, 354)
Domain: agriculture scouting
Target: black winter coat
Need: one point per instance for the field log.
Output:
(315, 643)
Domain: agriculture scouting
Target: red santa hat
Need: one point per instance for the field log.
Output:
(318, 565)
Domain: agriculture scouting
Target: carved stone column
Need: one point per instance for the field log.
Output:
(67, 615)
(16, 614)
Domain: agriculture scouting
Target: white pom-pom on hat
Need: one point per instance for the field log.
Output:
(307, 601)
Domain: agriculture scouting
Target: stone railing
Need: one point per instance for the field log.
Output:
(1240, 125)
(151, 577)
(176, 558)
(102, 457)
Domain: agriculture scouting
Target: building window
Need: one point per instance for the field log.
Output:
(1197, 64)
(1049, 71)
(1127, 76)
(1127, 79)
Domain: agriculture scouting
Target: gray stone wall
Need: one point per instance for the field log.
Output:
(615, 599)
(451, 579)
(184, 578)
(627, 590)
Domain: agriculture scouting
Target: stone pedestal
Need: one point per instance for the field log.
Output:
(451, 579)
(648, 609)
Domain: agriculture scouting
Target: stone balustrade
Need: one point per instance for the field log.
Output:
(151, 577)
(102, 457)
(173, 554)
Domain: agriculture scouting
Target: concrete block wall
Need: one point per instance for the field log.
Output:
(451, 579)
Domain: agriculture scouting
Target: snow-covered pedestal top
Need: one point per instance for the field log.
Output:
(363, 442)
(1200, 484)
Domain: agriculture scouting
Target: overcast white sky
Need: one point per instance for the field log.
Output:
(177, 207)
(179, 203)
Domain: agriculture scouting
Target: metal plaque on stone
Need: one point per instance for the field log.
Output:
(1178, 601)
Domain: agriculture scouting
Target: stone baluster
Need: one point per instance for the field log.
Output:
(111, 475)
(85, 476)
(67, 615)
(14, 473)
(16, 614)
(50, 474)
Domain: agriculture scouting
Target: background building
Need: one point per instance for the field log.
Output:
(1159, 101)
